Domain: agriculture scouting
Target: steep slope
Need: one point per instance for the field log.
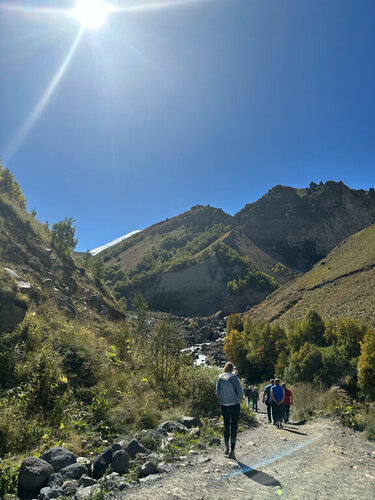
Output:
(342, 284)
(31, 273)
(188, 265)
(300, 226)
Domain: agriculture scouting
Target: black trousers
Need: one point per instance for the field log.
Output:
(277, 412)
(286, 413)
(268, 404)
(231, 414)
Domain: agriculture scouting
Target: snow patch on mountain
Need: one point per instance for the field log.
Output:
(114, 242)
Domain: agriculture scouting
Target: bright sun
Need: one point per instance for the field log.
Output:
(91, 14)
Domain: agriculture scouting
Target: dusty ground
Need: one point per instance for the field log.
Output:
(316, 461)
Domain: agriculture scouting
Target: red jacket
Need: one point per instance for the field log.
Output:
(288, 394)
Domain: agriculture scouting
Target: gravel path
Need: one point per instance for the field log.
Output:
(316, 461)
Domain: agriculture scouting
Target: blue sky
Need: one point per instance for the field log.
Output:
(210, 102)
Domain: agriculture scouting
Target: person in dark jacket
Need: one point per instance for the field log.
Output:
(267, 399)
(229, 390)
(254, 396)
(277, 400)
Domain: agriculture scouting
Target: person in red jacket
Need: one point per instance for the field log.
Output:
(288, 400)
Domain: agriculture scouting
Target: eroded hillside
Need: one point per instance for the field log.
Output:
(342, 284)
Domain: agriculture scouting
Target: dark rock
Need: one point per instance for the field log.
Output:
(134, 447)
(69, 488)
(148, 468)
(49, 492)
(116, 447)
(173, 426)
(58, 457)
(102, 462)
(55, 479)
(86, 481)
(120, 462)
(190, 422)
(215, 442)
(74, 471)
(33, 475)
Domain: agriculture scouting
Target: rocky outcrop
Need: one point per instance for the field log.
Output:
(199, 289)
(301, 226)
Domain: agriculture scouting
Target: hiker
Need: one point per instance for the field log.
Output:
(288, 400)
(229, 390)
(248, 391)
(254, 396)
(277, 400)
(267, 399)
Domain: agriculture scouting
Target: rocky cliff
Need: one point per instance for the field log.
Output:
(281, 235)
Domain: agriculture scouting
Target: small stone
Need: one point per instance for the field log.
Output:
(50, 492)
(173, 426)
(215, 442)
(69, 487)
(195, 432)
(148, 468)
(134, 447)
(86, 481)
(190, 422)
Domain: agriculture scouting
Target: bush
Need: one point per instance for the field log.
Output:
(200, 390)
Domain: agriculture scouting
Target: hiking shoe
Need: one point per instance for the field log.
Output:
(226, 452)
(232, 455)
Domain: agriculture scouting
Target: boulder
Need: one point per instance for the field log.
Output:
(49, 492)
(86, 481)
(55, 479)
(148, 468)
(134, 447)
(190, 422)
(120, 462)
(58, 457)
(32, 476)
(69, 488)
(102, 462)
(73, 471)
(173, 426)
(116, 447)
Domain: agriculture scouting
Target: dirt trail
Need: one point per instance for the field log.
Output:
(316, 461)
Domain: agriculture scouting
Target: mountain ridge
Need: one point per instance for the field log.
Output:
(280, 235)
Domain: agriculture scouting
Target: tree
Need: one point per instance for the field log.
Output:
(305, 365)
(234, 322)
(62, 235)
(140, 307)
(165, 351)
(311, 329)
(366, 364)
(349, 334)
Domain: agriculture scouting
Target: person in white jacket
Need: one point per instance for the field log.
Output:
(229, 390)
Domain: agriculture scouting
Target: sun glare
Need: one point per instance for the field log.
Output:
(91, 14)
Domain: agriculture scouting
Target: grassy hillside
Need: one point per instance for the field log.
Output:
(183, 242)
(342, 284)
